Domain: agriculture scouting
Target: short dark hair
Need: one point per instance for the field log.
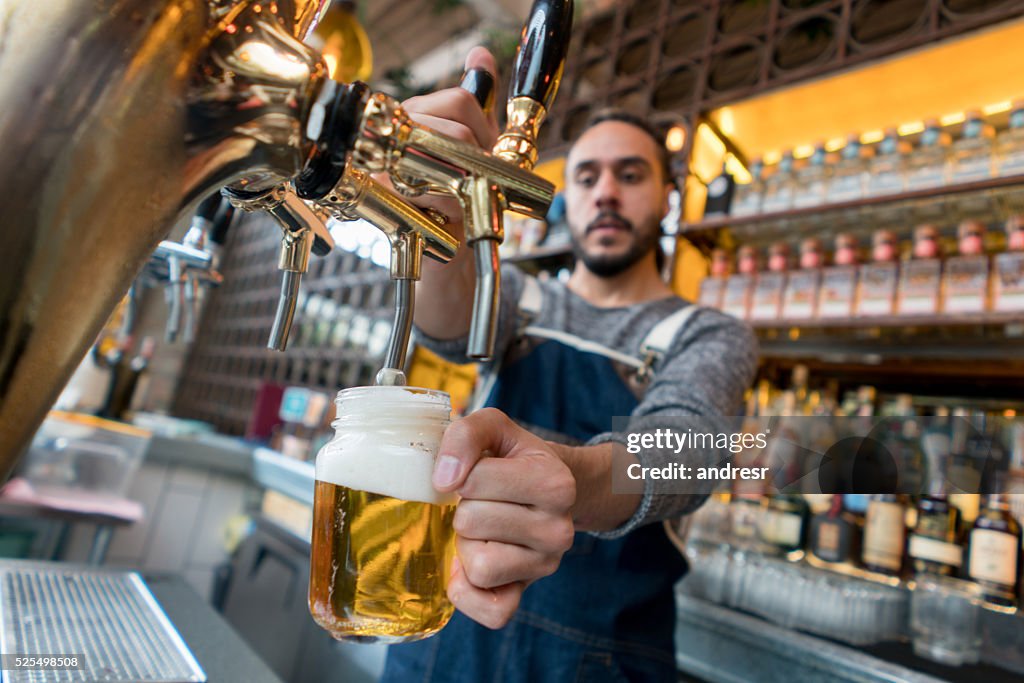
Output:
(623, 116)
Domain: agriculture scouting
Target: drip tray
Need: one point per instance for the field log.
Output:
(109, 619)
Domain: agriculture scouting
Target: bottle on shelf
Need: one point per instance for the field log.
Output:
(928, 164)
(766, 302)
(783, 526)
(885, 534)
(850, 176)
(966, 280)
(877, 280)
(921, 276)
(834, 535)
(720, 194)
(747, 197)
(740, 286)
(887, 170)
(934, 546)
(801, 298)
(839, 281)
(994, 549)
(1010, 144)
(1008, 267)
(972, 156)
(712, 287)
(812, 180)
(779, 187)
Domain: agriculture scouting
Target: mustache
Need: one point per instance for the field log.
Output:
(606, 217)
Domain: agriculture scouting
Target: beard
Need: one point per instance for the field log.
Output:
(610, 265)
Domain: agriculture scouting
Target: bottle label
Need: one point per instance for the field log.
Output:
(811, 194)
(993, 557)
(884, 534)
(885, 176)
(827, 544)
(778, 197)
(1012, 163)
(747, 200)
(838, 286)
(1008, 287)
(801, 294)
(927, 176)
(974, 166)
(878, 288)
(767, 296)
(711, 290)
(737, 295)
(934, 550)
(781, 528)
(966, 284)
(919, 286)
(847, 187)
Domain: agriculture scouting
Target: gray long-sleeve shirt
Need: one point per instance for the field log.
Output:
(705, 372)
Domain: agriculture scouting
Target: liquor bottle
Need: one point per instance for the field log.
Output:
(1010, 144)
(928, 164)
(812, 180)
(850, 176)
(766, 303)
(1008, 267)
(887, 169)
(993, 551)
(783, 526)
(720, 194)
(802, 286)
(877, 280)
(972, 155)
(712, 287)
(934, 546)
(779, 187)
(839, 281)
(833, 533)
(966, 280)
(885, 534)
(747, 197)
(125, 378)
(921, 276)
(739, 288)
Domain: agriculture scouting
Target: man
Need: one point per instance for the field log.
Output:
(557, 578)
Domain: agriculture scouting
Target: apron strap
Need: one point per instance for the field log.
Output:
(658, 341)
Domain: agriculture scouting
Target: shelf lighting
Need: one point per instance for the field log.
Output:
(872, 136)
(953, 119)
(772, 157)
(675, 138)
(803, 151)
(911, 128)
(835, 144)
(726, 122)
(997, 108)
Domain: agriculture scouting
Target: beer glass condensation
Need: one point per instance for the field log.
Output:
(382, 542)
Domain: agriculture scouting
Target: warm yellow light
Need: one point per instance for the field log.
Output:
(675, 138)
(872, 136)
(997, 108)
(953, 119)
(835, 144)
(710, 139)
(1009, 412)
(332, 64)
(803, 151)
(911, 128)
(726, 122)
(772, 157)
(738, 171)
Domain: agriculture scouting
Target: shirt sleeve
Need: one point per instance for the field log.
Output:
(454, 350)
(708, 368)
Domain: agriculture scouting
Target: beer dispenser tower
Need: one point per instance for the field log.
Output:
(128, 114)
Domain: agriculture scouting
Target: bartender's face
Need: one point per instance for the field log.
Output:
(616, 196)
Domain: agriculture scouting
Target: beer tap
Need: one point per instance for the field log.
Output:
(208, 233)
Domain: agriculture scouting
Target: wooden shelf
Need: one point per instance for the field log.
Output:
(895, 321)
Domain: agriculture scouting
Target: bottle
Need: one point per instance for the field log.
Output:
(972, 155)
(802, 286)
(1008, 267)
(839, 282)
(812, 180)
(712, 287)
(928, 164)
(779, 187)
(877, 280)
(783, 526)
(382, 543)
(993, 551)
(884, 534)
(766, 303)
(887, 169)
(834, 533)
(747, 196)
(934, 546)
(1010, 144)
(720, 194)
(850, 177)
(739, 287)
(966, 281)
(921, 276)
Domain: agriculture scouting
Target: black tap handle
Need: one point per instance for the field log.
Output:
(320, 246)
(542, 50)
(221, 221)
(480, 83)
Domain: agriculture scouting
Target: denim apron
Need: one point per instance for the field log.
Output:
(608, 613)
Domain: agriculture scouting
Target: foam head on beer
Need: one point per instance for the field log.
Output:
(382, 540)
